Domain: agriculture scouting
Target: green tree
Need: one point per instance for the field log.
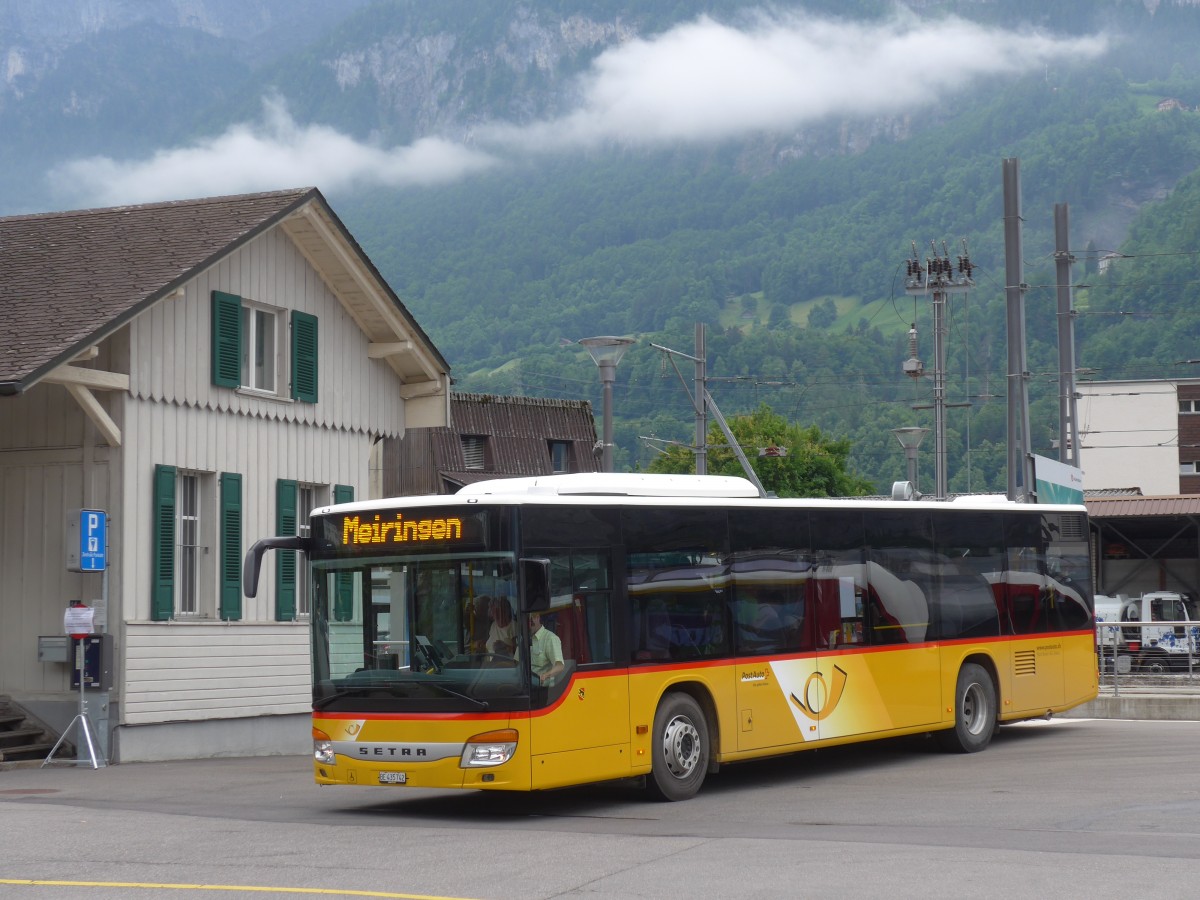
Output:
(813, 465)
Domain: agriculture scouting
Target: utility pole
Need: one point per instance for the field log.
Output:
(1020, 462)
(938, 277)
(703, 403)
(701, 379)
(1068, 429)
(697, 395)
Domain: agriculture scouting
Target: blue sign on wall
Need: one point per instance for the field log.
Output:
(93, 540)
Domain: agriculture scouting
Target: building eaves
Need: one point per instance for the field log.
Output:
(70, 279)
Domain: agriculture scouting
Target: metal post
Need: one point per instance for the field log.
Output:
(939, 395)
(608, 374)
(701, 451)
(1068, 430)
(1020, 482)
(606, 352)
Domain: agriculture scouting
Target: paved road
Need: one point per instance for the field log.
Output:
(1070, 808)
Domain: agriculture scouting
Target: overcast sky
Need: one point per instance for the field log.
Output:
(699, 82)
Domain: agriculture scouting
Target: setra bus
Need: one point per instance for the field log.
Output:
(697, 625)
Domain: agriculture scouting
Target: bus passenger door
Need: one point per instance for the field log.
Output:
(773, 632)
(875, 670)
(579, 724)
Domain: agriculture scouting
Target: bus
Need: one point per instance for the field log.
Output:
(697, 624)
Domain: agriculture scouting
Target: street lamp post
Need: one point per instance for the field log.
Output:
(910, 439)
(606, 353)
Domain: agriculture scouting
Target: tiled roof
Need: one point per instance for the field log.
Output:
(69, 279)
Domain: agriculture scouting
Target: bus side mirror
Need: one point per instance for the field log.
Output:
(254, 556)
(535, 585)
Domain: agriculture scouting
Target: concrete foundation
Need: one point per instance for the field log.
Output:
(262, 736)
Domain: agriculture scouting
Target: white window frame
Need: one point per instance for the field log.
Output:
(195, 536)
(474, 447)
(1189, 407)
(563, 448)
(1189, 468)
(263, 368)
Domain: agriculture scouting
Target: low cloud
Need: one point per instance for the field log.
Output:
(273, 155)
(699, 82)
(706, 81)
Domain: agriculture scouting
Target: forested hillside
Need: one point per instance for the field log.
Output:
(788, 244)
(795, 267)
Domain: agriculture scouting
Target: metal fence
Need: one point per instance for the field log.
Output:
(1139, 655)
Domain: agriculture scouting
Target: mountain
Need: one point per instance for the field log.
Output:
(788, 242)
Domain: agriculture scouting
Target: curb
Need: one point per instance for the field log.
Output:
(1138, 706)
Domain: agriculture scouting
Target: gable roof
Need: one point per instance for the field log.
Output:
(70, 279)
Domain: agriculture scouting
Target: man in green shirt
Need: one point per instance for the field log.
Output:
(545, 651)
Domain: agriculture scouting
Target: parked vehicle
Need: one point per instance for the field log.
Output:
(1158, 631)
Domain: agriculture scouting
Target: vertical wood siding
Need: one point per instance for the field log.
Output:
(35, 586)
(207, 441)
(355, 392)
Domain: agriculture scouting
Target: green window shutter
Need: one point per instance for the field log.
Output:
(343, 601)
(162, 590)
(231, 546)
(226, 339)
(304, 357)
(285, 560)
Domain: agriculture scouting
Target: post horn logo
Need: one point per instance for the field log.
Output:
(821, 699)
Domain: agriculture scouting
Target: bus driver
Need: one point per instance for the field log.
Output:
(545, 651)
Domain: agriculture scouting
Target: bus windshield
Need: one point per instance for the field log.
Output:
(439, 632)
(425, 630)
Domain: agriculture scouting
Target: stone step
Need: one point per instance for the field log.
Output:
(33, 751)
(19, 736)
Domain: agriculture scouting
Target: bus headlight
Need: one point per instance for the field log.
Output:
(322, 747)
(492, 748)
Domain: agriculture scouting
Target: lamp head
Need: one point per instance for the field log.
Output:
(607, 351)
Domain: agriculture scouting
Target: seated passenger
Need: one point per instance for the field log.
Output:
(545, 651)
(502, 638)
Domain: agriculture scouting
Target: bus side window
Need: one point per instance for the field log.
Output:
(580, 611)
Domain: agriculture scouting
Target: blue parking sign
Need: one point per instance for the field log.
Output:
(93, 540)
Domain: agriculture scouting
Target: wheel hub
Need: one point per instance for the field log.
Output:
(681, 747)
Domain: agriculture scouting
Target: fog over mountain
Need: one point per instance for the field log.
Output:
(527, 173)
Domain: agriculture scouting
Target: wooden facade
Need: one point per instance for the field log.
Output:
(492, 437)
(144, 411)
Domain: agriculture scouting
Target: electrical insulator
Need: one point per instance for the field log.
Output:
(913, 367)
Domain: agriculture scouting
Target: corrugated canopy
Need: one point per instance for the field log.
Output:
(1131, 507)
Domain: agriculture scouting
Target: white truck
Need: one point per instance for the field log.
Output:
(1158, 631)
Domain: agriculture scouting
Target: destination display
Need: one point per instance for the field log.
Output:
(371, 533)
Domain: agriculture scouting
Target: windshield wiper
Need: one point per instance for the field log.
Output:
(481, 704)
(396, 690)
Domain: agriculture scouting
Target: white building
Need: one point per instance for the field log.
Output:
(1129, 434)
(204, 372)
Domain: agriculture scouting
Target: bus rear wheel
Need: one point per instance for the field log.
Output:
(681, 749)
(974, 712)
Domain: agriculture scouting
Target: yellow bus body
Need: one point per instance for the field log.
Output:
(600, 727)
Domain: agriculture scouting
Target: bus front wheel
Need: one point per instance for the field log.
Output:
(974, 712)
(681, 748)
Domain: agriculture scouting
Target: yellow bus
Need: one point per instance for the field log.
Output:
(683, 622)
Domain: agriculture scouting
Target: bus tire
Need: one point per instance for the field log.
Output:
(680, 749)
(974, 712)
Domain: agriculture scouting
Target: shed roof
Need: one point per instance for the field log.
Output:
(1132, 507)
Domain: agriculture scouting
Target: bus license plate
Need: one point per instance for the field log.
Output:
(393, 777)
